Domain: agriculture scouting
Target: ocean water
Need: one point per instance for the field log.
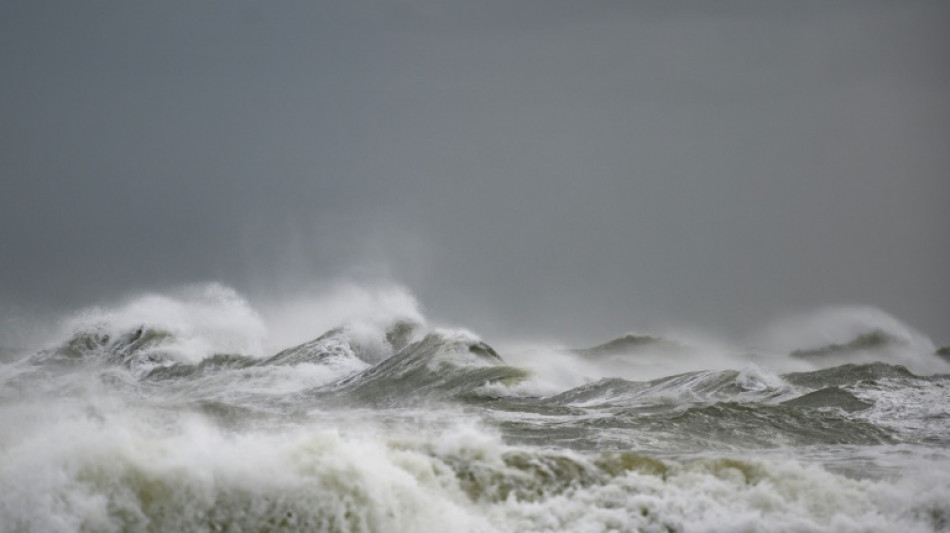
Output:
(195, 411)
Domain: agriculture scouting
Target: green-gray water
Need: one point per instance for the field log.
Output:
(177, 421)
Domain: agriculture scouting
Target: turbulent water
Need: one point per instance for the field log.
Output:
(175, 413)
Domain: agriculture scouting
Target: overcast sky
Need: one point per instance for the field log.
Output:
(577, 169)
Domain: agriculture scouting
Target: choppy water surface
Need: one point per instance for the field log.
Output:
(171, 414)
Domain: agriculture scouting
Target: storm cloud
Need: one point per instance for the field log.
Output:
(531, 167)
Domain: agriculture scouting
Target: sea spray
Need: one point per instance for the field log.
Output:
(169, 413)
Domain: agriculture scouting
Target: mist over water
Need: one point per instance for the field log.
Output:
(197, 410)
(607, 266)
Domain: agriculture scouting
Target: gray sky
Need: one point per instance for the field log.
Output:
(577, 169)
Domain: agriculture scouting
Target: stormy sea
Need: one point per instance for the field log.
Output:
(182, 412)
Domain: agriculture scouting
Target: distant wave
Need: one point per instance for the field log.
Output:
(872, 340)
(629, 344)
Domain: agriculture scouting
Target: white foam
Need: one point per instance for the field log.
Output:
(530, 387)
(203, 319)
(920, 408)
(96, 450)
(716, 495)
(564, 369)
(841, 325)
(366, 311)
(124, 474)
(101, 464)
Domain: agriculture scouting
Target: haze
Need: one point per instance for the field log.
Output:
(573, 169)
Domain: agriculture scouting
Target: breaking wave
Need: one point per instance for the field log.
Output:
(170, 413)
